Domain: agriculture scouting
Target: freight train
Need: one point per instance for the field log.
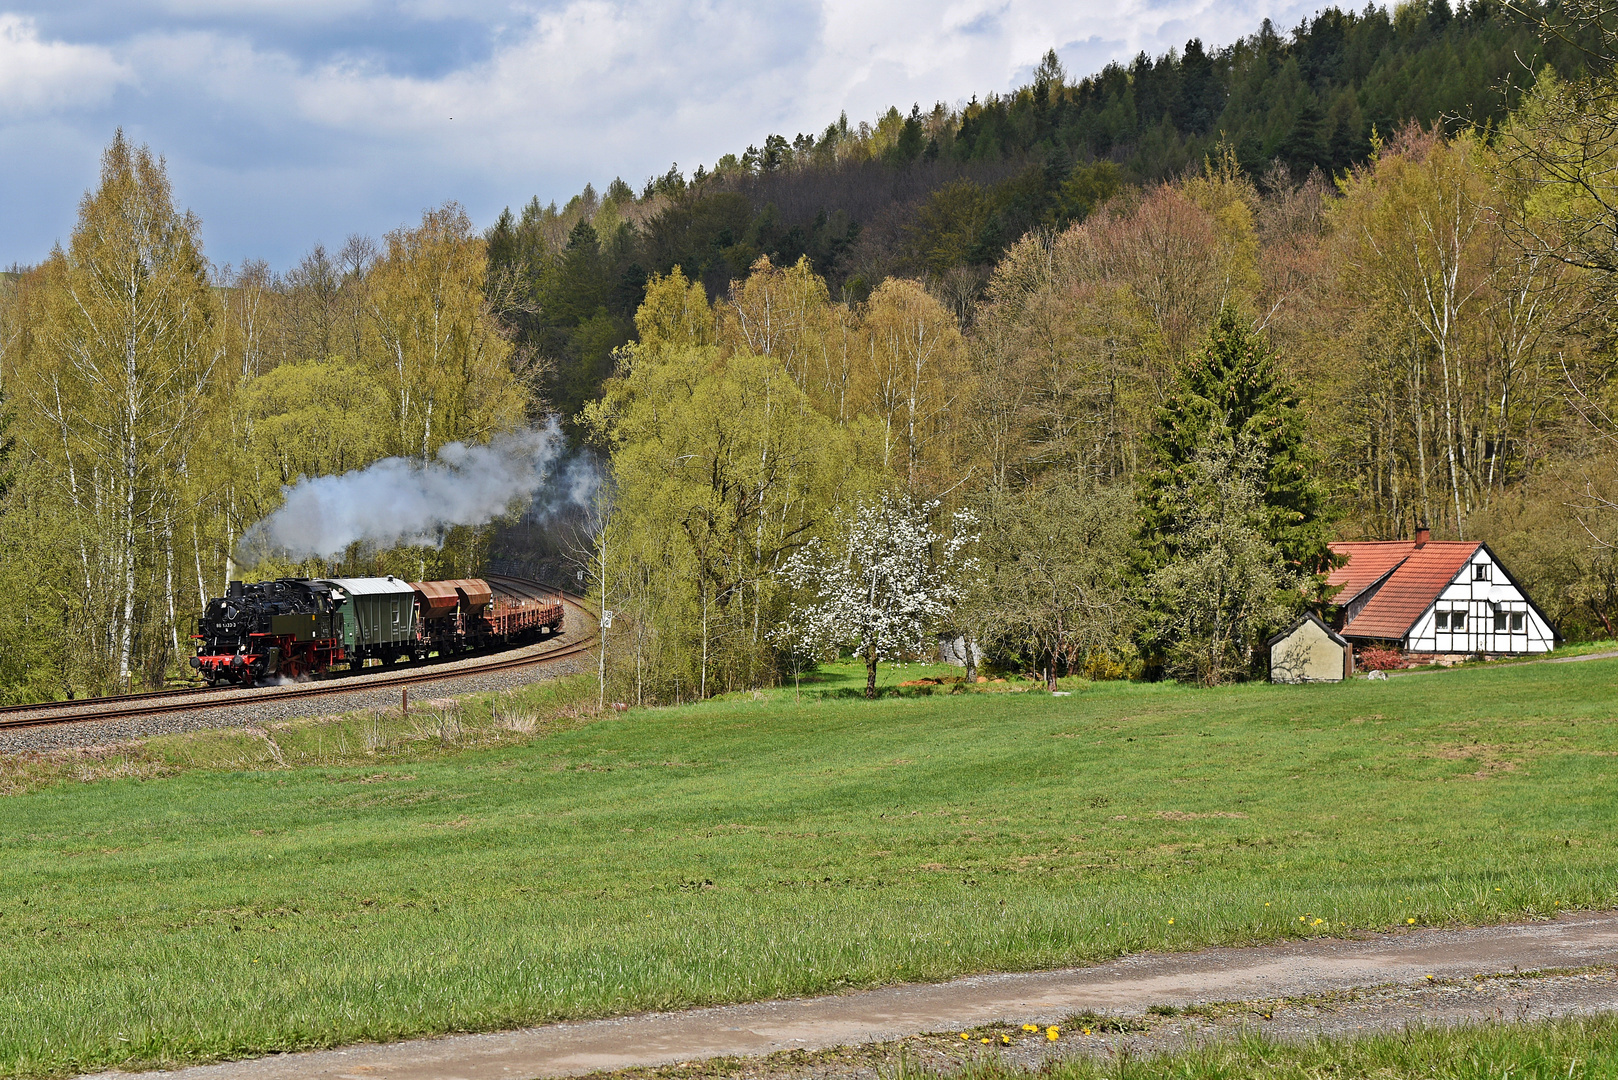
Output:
(293, 628)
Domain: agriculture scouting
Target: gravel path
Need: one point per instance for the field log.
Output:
(1414, 976)
(256, 707)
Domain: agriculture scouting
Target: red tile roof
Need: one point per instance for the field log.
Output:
(1416, 581)
(1366, 565)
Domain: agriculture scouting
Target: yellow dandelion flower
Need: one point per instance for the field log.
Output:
(1005, 1040)
(1410, 922)
(1030, 1027)
(965, 1037)
(1171, 922)
(1430, 978)
(1087, 1031)
(984, 1040)
(1053, 1033)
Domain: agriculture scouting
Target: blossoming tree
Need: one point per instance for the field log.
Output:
(879, 582)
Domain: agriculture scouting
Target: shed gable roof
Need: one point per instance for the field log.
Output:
(1419, 575)
(1309, 617)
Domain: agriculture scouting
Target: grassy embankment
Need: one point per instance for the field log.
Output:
(1580, 1049)
(375, 887)
(1568, 1049)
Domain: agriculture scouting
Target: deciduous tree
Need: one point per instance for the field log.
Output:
(879, 580)
(122, 364)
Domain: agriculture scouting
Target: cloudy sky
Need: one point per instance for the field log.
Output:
(286, 122)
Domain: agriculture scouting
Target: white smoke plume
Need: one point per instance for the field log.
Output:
(401, 501)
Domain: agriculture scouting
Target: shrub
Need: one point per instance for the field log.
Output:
(1376, 658)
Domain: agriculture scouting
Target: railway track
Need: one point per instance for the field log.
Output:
(157, 703)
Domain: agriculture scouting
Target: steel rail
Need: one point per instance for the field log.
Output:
(82, 703)
(47, 714)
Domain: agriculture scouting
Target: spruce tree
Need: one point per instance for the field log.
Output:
(1304, 147)
(1231, 399)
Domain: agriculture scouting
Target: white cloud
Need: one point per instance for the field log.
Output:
(45, 76)
(280, 130)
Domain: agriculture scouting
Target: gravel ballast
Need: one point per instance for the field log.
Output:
(266, 705)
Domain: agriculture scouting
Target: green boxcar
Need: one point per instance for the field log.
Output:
(379, 616)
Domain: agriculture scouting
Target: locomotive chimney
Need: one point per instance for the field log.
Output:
(1423, 534)
(235, 589)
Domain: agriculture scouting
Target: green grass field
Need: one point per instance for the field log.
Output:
(376, 887)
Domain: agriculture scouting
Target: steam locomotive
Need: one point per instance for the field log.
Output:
(293, 628)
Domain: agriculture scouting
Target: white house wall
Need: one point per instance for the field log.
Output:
(1481, 600)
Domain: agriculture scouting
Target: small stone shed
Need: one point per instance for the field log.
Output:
(1310, 651)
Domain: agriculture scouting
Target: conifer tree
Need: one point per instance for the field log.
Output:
(1231, 399)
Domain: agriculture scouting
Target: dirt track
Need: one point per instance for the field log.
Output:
(1326, 971)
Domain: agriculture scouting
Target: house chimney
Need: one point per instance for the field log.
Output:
(1423, 534)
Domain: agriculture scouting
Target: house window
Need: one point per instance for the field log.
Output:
(1480, 571)
(1457, 621)
(1499, 621)
(1516, 622)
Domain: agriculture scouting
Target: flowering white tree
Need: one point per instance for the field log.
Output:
(879, 583)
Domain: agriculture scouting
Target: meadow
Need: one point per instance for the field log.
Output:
(228, 894)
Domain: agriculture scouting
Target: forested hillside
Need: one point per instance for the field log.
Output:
(941, 193)
(1085, 375)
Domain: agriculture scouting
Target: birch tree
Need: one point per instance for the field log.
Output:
(1418, 224)
(916, 374)
(443, 356)
(122, 368)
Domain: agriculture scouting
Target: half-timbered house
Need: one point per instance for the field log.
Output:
(1435, 597)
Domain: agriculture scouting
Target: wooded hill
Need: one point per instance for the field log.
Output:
(941, 194)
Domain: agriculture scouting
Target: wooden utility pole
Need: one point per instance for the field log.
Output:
(604, 623)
